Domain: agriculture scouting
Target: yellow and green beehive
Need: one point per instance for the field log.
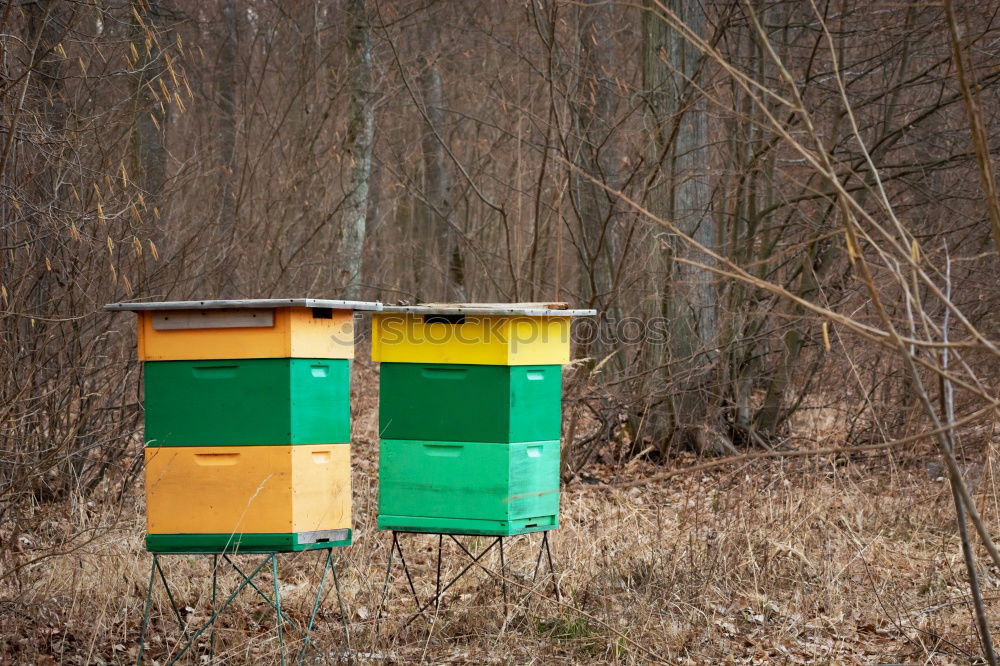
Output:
(247, 423)
(469, 416)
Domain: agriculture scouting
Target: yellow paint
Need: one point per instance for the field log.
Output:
(295, 334)
(538, 340)
(248, 489)
(479, 340)
(321, 494)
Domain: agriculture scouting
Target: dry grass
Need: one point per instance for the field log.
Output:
(811, 561)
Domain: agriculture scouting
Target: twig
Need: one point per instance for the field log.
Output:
(947, 396)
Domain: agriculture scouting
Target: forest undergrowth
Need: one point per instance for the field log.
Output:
(828, 559)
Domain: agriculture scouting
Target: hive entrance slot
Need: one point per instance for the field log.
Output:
(322, 313)
(444, 319)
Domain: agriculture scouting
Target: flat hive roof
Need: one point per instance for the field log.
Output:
(248, 303)
(514, 309)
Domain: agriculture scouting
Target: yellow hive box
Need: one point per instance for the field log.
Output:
(254, 490)
(475, 339)
(293, 332)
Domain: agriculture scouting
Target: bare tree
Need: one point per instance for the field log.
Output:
(152, 106)
(677, 108)
(226, 77)
(593, 111)
(439, 221)
(359, 139)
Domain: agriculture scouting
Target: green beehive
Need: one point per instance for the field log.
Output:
(255, 402)
(470, 446)
(472, 403)
(468, 487)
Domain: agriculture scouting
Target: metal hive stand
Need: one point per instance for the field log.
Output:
(247, 580)
(474, 560)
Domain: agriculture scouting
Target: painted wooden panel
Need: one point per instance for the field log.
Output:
(470, 339)
(468, 487)
(256, 402)
(321, 488)
(473, 403)
(248, 490)
(246, 543)
(297, 332)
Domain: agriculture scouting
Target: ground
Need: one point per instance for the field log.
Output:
(823, 560)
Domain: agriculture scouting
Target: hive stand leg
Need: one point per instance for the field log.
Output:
(307, 631)
(170, 597)
(385, 586)
(315, 608)
(343, 613)
(538, 560)
(475, 560)
(215, 614)
(437, 580)
(395, 546)
(552, 569)
(263, 595)
(503, 578)
(406, 570)
(145, 612)
(215, 576)
(277, 606)
(543, 549)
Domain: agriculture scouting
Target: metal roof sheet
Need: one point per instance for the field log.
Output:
(513, 309)
(245, 303)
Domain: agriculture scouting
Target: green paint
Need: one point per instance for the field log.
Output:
(258, 402)
(467, 525)
(470, 403)
(468, 487)
(234, 543)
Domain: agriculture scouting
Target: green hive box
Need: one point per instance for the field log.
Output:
(257, 402)
(481, 403)
(488, 488)
(245, 543)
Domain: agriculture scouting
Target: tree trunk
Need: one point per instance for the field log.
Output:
(593, 119)
(671, 64)
(360, 133)
(439, 210)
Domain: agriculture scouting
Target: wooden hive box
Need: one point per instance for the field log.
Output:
(247, 498)
(470, 417)
(409, 336)
(247, 423)
(256, 329)
(247, 402)
(493, 488)
(477, 403)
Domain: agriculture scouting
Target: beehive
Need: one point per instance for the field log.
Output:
(248, 402)
(247, 423)
(479, 403)
(470, 417)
